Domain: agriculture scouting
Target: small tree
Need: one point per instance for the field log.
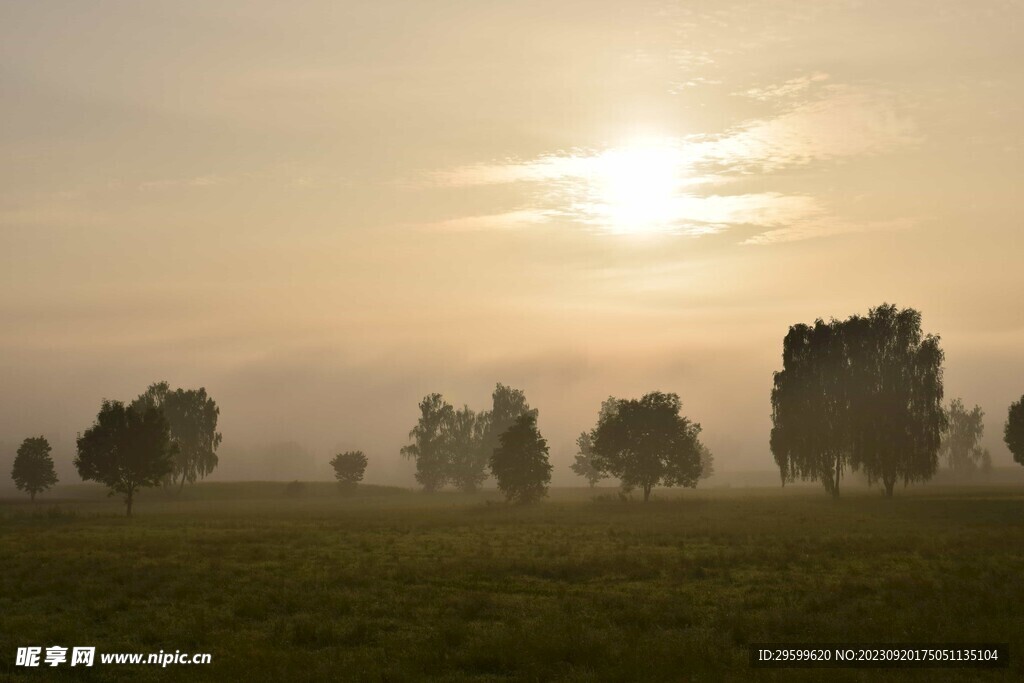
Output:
(430, 442)
(520, 462)
(959, 443)
(126, 449)
(33, 467)
(1013, 432)
(584, 463)
(647, 442)
(349, 468)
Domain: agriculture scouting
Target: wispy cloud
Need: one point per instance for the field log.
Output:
(826, 226)
(675, 185)
(499, 221)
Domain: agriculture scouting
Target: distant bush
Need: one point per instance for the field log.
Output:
(349, 468)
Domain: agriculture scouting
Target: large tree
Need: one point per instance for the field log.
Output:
(646, 442)
(864, 393)
(1013, 432)
(33, 467)
(430, 442)
(192, 416)
(520, 462)
(349, 468)
(126, 449)
(960, 442)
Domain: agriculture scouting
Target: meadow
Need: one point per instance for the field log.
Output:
(304, 583)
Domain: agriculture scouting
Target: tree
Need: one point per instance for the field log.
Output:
(807, 437)
(507, 406)
(33, 467)
(349, 468)
(126, 449)
(707, 462)
(1013, 432)
(894, 385)
(520, 462)
(959, 443)
(192, 416)
(583, 466)
(646, 442)
(864, 393)
(467, 466)
(431, 442)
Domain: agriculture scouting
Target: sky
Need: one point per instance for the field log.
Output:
(323, 211)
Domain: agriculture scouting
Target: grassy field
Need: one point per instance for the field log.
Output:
(395, 585)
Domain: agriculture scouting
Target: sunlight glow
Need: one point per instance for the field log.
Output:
(637, 188)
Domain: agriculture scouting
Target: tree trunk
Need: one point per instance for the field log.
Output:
(32, 496)
(182, 484)
(889, 483)
(647, 492)
(128, 502)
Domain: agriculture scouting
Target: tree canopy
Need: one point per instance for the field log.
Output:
(33, 467)
(864, 393)
(520, 462)
(349, 468)
(1013, 431)
(126, 449)
(646, 442)
(192, 416)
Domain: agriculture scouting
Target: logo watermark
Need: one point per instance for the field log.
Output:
(56, 655)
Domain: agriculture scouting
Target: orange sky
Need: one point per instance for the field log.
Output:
(322, 211)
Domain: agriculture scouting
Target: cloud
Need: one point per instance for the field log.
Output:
(674, 185)
(787, 89)
(500, 221)
(826, 226)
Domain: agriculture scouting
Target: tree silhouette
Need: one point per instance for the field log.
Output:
(507, 406)
(520, 462)
(1013, 432)
(467, 466)
(126, 449)
(430, 442)
(349, 468)
(865, 393)
(33, 467)
(192, 416)
(584, 463)
(646, 442)
(959, 443)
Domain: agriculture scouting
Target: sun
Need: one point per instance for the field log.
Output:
(636, 188)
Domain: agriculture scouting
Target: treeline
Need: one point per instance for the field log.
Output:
(643, 442)
(863, 394)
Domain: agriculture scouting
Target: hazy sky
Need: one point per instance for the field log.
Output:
(321, 211)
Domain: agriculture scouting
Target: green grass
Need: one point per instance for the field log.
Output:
(394, 585)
